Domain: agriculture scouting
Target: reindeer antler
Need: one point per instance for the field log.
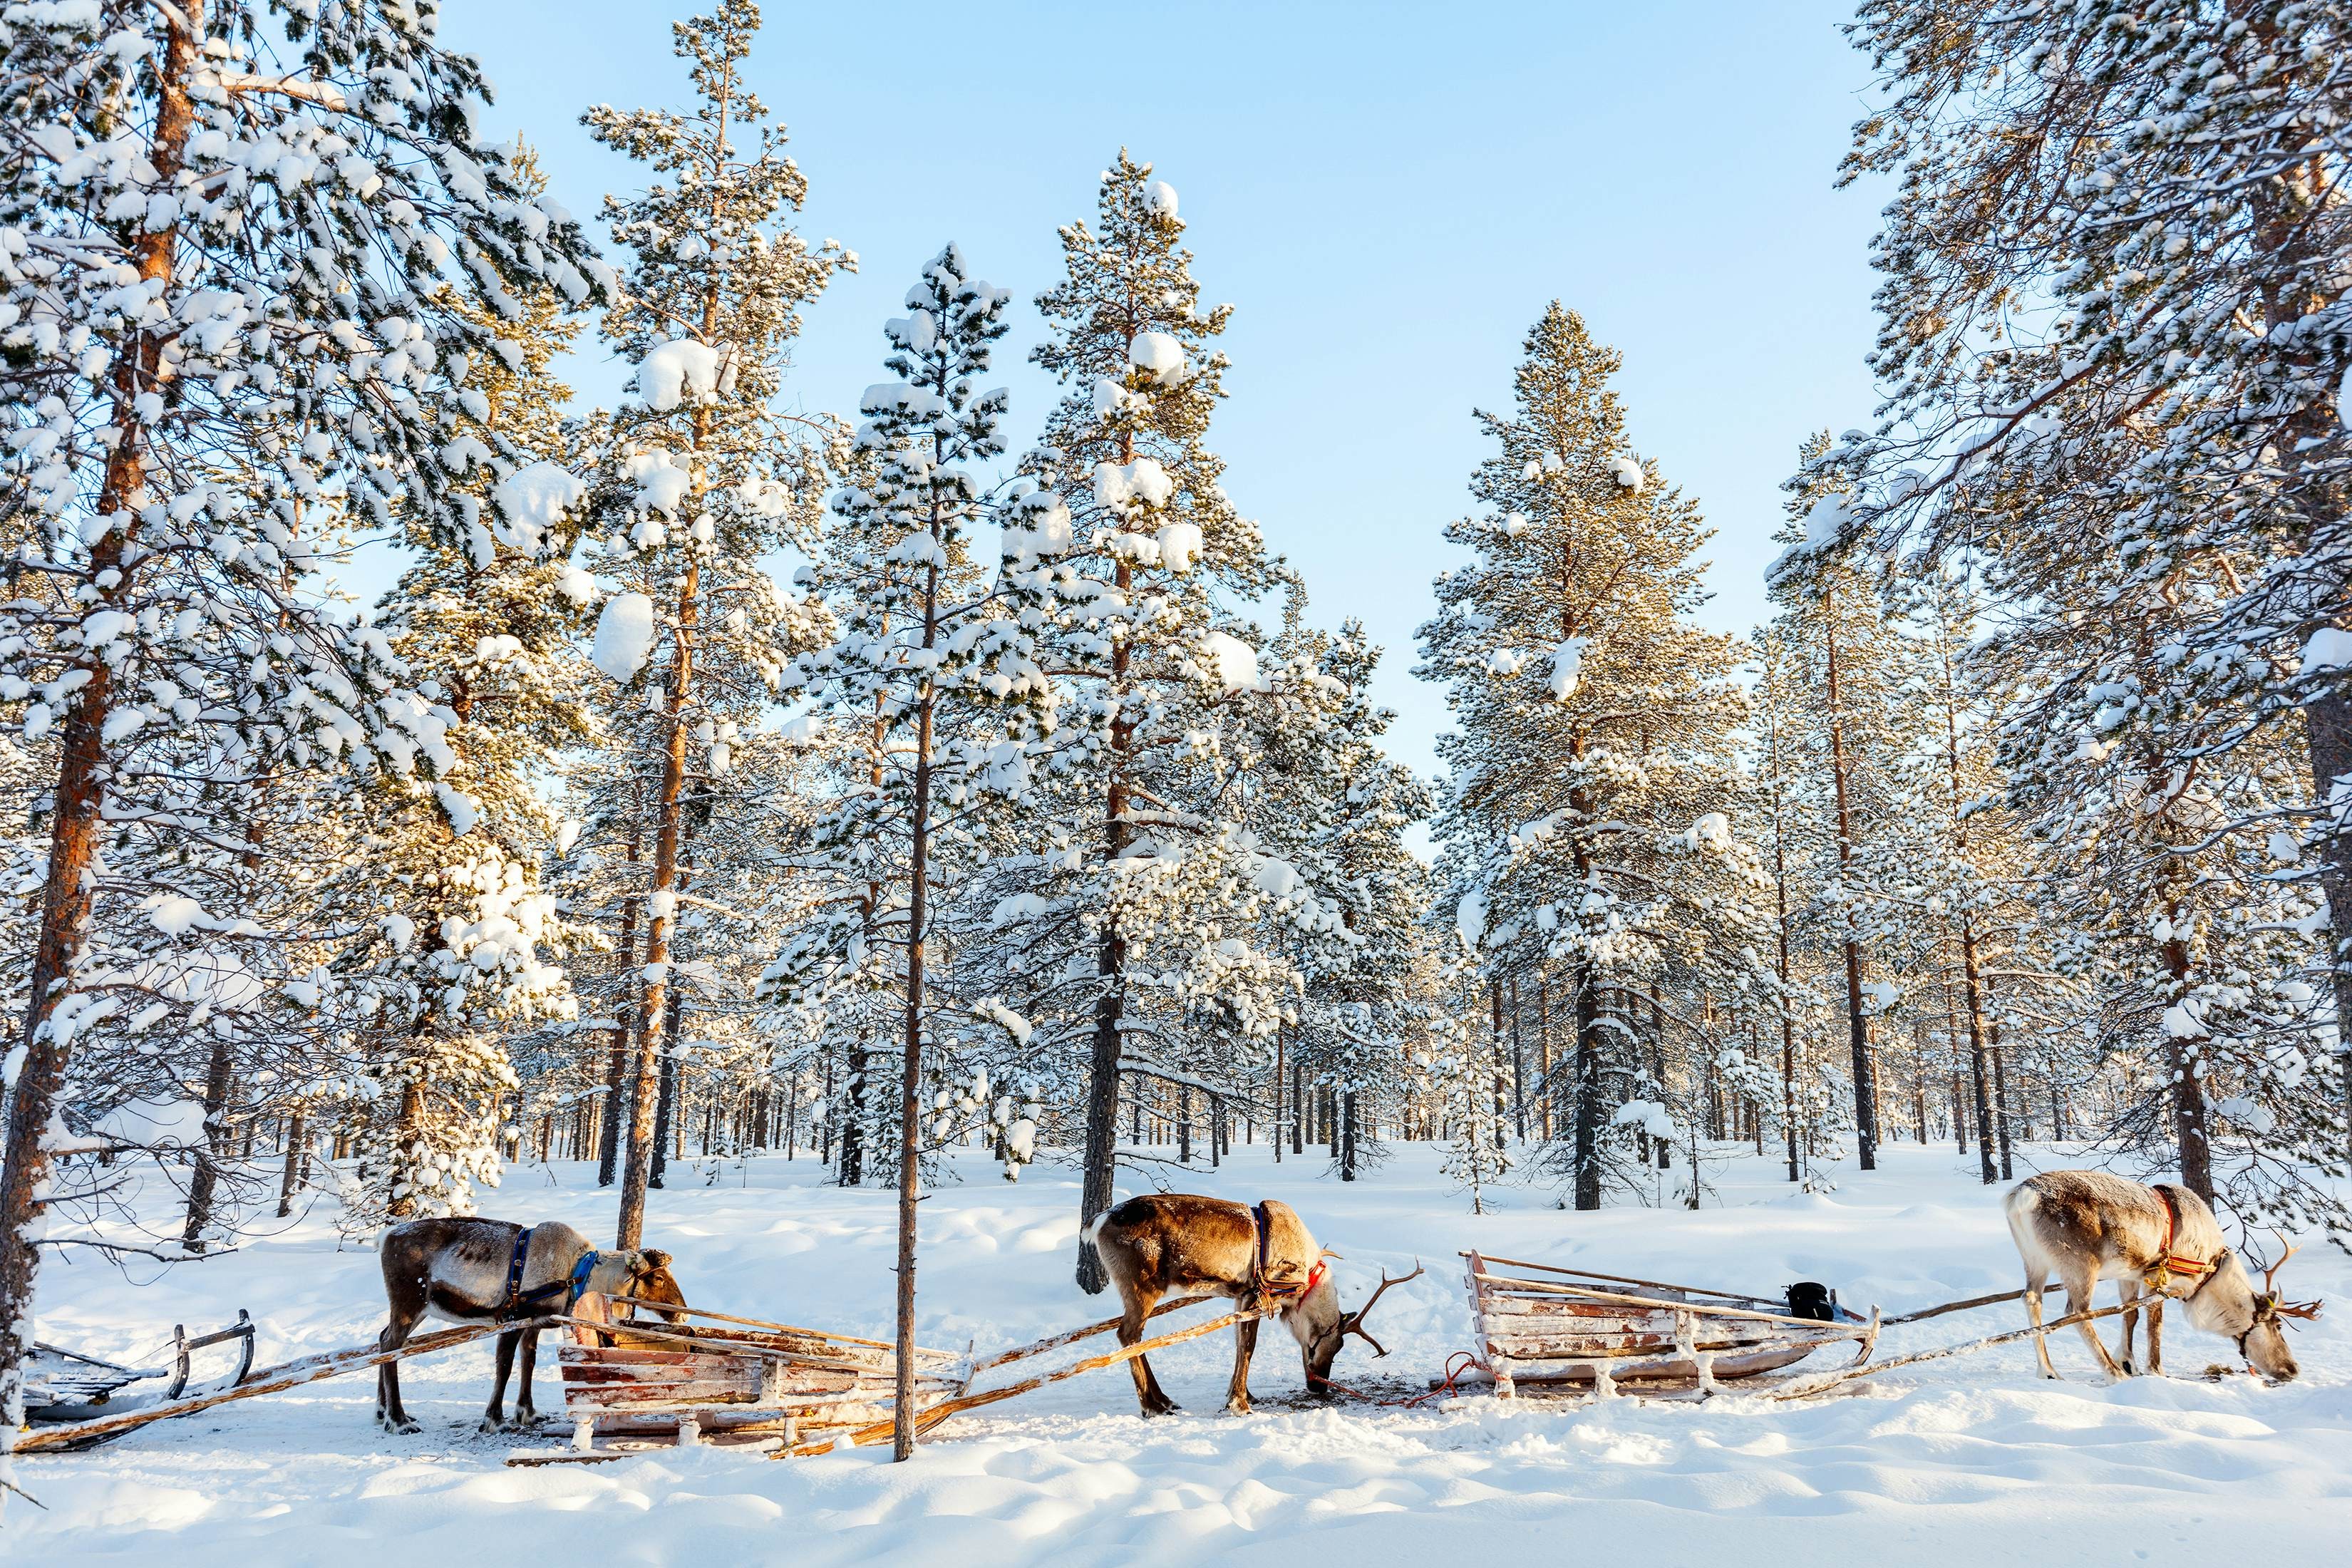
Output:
(2306, 1311)
(2270, 1274)
(1353, 1322)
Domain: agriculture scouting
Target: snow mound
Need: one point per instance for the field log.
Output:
(1232, 662)
(1627, 473)
(1143, 482)
(672, 370)
(2329, 649)
(1157, 356)
(1179, 545)
(661, 479)
(625, 636)
(533, 501)
(1160, 199)
(1567, 668)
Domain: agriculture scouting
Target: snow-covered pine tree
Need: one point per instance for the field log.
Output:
(227, 285)
(1594, 763)
(702, 476)
(941, 654)
(443, 895)
(2115, 317)
(1126, 922)
(1860, 668)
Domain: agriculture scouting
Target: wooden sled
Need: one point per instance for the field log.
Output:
(641, 1383)
(1573, 1330)
(63, 1386)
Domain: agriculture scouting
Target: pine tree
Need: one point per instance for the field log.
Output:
(1591, 776)
(700, 476)
(230, 326)
(943, 659)
(1137, 867)
(2115, 283)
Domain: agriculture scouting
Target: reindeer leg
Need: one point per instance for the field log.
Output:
(2130, 1291)
(2156, 1333)
(525, 1411)
(1148, 1391)
(2078, 1299)
(495, 1416)
(1244, 1346)
(2035, 1281)
(389, 1412)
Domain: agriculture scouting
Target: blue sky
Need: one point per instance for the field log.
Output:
(1388, 194)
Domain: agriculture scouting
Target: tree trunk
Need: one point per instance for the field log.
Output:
(1865, 1087)
(2001, 1113)
(1973, 992)
(297, 1137)
(616, 1071)
(1588, 1090)
(205, 1184)
(666, 1104)
(78, 800)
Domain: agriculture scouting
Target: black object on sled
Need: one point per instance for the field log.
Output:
(64, 1385)
(1809, 1299)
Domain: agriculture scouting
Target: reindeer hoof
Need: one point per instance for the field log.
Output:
(405, 1427)
(1237, 1407)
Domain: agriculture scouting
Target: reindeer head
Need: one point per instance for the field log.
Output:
(1321, 1327)
(2228, 1303)
(2263, 1342)
(643, 1275)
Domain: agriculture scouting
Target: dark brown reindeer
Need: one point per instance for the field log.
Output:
(466, 1270)
(2158, 1242)
(1180, 1245)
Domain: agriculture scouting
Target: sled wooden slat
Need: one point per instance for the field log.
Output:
(687, 1383)
(1643, 1332)
(269, 1380)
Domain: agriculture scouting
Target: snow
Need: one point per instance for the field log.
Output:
(1232, 661)
(1626, 472)
(625, 636)
(1141, 482)
(1567, 668)
(2329, 647)
(1160, 199)
(671, 371)
(1825, 521)
(662, 481)
(174, 914)
(1179, 545)
(1975, 1449)
(1158, 356)
(533, 500)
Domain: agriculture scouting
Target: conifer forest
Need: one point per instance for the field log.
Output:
(427, 787)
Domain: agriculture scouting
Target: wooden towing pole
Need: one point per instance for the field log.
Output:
(880, 1431)
(269, 1380)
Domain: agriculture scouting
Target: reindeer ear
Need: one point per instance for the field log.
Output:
(654, 1258)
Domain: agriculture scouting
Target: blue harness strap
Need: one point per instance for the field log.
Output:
(520, 1303)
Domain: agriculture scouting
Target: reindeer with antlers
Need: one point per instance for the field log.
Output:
(2162, 1242)
(1181, 1245)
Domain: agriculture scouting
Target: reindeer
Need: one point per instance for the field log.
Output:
(468, 1270)
(2161, 1241)
(1264, 1258)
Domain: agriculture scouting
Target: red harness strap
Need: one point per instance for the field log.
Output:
(1277, 1294)
(2168, 1261)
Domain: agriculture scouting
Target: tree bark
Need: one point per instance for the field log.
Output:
(205, 1183)
(1865, 1086)
(608, 1156)
(78, 798)
(297, 1137)
(1588, 1090)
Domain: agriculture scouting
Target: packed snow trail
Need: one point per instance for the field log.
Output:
(2147, 1471)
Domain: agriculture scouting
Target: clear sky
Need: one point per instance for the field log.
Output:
(1388, 194)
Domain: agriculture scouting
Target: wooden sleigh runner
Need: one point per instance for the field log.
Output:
(638, 1383)
(66, 1387)
(1551, 1327)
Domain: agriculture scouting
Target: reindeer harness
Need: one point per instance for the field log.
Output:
(1270, 1292)
(521, 1303)
(2169, 1262)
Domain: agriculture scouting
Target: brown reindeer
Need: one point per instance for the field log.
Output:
(2161, 1242)
(466, 1271)
(1182, 1244)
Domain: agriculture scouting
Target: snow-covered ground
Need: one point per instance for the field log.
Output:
(1974, 1457)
